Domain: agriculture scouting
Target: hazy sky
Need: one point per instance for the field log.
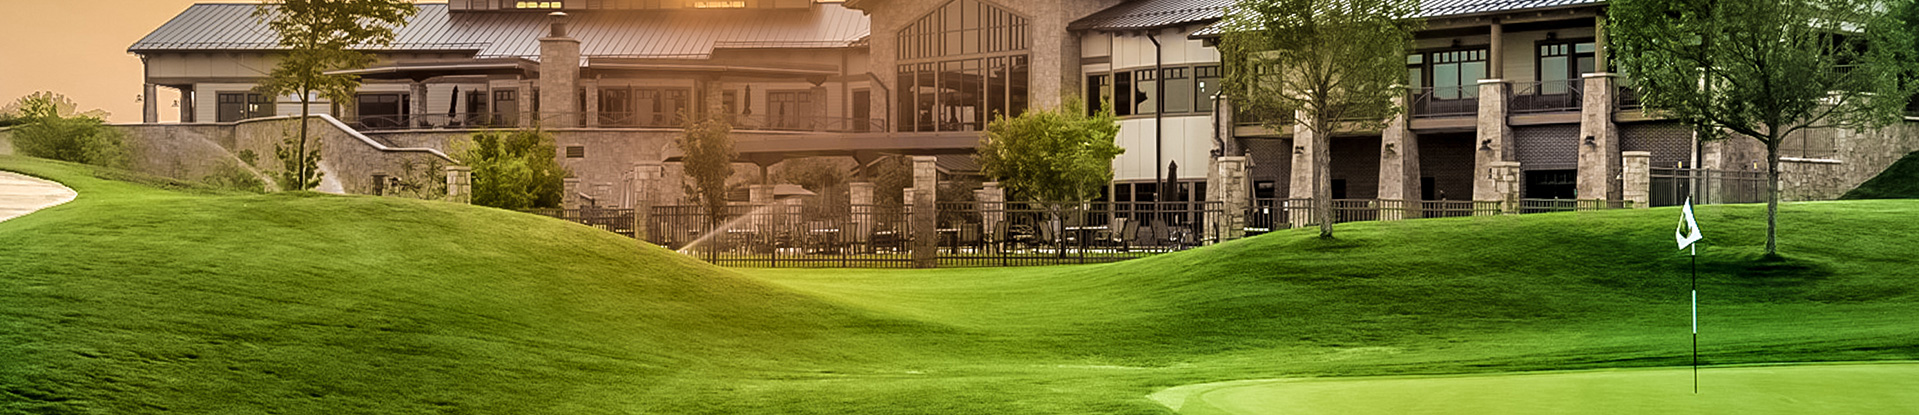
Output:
(79, 48)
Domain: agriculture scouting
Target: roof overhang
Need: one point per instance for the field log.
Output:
(427, 70)
(685, 66)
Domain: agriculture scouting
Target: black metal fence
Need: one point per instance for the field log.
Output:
(787, 235)
(1671, 187)
(1036, 233)
(618, 221)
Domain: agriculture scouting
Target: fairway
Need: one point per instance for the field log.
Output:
(1797, 389)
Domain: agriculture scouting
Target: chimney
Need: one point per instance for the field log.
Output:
(559, 77)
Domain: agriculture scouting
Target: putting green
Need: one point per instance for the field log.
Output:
(1797, 389)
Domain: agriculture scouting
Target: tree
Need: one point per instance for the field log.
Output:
(1055, 156)
(707, 148)
(1766, 69)
(320, 36)
(513, 170)
(50, 128)
(1324, 66)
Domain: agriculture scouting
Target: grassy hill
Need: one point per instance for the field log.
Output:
(1899, 181)
(134, 299)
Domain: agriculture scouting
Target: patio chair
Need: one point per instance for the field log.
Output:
(1127, 234)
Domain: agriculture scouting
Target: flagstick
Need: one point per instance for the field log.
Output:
(1695, 320)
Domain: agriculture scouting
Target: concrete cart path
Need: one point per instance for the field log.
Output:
(21, 194)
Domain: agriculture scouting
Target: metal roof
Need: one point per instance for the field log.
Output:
(232, 27)
(1454, 8)
(1143, 14)
(639, 34)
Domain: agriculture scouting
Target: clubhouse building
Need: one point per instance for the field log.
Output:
(1508, 100)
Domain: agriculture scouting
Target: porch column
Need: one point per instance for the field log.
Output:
(416, 97)
(1398, 165)
(591, 90)
(559, 75)
(1495, 144)
(1598, 141)
(150, 104)
(1299, 210)
(1637, 175)
(459, 184)
(924, 214)
(527, 117)
(1495, 68)
(1232, 190)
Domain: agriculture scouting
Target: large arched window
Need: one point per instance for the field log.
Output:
(959, 65)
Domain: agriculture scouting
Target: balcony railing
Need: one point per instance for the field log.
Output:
(609, 120)
(1627, 97)
(1547, 97)
(1451, 101)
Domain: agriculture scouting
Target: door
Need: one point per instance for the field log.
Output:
(382, 110)
(862, 110)
(785, 109)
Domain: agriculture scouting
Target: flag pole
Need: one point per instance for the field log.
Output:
(1695, 319)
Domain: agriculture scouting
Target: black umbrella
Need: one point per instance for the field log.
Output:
(453, 105)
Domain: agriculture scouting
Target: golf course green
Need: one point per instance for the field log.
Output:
(1793, 389)
(148, 295)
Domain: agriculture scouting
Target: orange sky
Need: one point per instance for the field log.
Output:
(79, 48)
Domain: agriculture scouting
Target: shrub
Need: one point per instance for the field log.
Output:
(80, 139)
(513, 170)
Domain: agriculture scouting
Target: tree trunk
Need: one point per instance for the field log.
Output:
(1772, 197)
(1322, 159)
(300, 157)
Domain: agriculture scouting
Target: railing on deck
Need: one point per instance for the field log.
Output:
(1547, 97)
(609, 120)
(1453, 101)
(1671, 187)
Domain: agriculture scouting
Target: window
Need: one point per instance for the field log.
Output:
(537, 5)
(1096, 94)
(787, 109)
(235, 106)
(476, 106)
(1551, 184)
(1206, 87)
(719, 5)
(1145, 92)
(616, 107)
(1416, 70)
(660, 107)
(382, 110)
(574, 152)
(1561, 64)
(1179, 89)
(938, 94)
(862, 110)
(1456, 74)
(1123, 102)
(507, 105)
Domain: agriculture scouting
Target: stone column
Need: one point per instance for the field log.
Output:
(1494, 142)
(645, 175)
(1398, 166)
(1299, 210)
(1598, 142)
(570, 193)
(1636, 175)
(761, 196)
(860, 198)
(150, 104)
(925, 216)
(992, 205)
(527, 118)
(559, 75)
(416, 97)
(459, 184)
(591, 113)
(1504, 181)
(1233, 191)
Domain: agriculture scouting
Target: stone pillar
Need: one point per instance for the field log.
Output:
(1233, 192)
(1494, 142)
(1299, 210)
(150, 104)
(459, 184)
(590, 87)
(992, 205)
(906, 196)
(416, 100)
(759, 194)
(570, 193)
(860, 197)
(1504, 181)
(1398, 165)
(1636, 175)
(1598, 142)
(527, 117)
(645, 175)
(559, 75)
(925, 216)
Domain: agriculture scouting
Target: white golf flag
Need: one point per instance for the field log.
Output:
(1688, 230)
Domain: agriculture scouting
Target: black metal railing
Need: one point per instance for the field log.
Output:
(1452, 101)
(1626, 97)
(1547, 97)
(387, 122)
(1671, 187)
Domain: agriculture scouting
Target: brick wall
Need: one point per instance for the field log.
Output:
(1448, 159)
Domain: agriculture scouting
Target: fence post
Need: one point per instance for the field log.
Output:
(570, 193)
(1636, 176)
(1233, 191)
(859, 196)
(1502, 196)
(459, 184)
(992, 205)
(925, 213)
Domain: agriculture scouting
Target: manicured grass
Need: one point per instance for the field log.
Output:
(132, 299)
(1743, 390)
(1899, 181)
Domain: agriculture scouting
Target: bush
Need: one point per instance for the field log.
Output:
(514, 170)
(82, 139)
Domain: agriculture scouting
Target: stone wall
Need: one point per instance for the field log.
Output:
(194, 151)
(1859, 157)
(604, 166)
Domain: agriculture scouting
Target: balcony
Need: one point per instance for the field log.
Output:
(1449, 101)
(1547, 97)
(609, 120)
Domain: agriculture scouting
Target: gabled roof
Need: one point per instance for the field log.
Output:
(1145, 14)
(637, 34)
(1456, 8)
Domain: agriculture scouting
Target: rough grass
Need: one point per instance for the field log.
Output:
(136, 299)
(1899, 181)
